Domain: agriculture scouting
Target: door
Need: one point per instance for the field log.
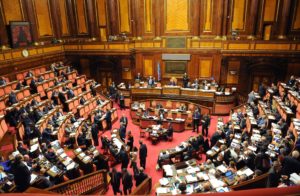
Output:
(105, 78)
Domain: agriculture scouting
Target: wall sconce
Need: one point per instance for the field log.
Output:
(233, 72)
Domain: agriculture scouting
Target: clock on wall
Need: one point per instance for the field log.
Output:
(25, 53)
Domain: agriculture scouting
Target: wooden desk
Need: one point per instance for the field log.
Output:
(171, 90)
(151, 91)
(178, 126)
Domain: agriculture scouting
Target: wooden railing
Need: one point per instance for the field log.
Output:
(257, 182)
(144, 188)
(95, 182)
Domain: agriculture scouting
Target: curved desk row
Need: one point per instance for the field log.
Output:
(218, 103)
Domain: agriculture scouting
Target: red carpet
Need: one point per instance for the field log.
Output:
(153, 150)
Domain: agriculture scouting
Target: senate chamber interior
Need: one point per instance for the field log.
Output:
(150, 97)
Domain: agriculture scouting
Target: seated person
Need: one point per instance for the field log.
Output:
(2, 81)
(196, 84)
(182, 107)
(82, 101)
(172, 81)
(19, 85)
(151, 81)
(12, 98)
(138, 78)
(163, 155)
(21, 148)
(50, 155)
(70, 93)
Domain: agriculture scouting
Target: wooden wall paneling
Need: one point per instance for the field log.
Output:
(283, 19)
(92, 20)
(85, 67)
(3, 32)
(112, 6)
(251, 22)
(233, 72)
(176, 16)
(43, 18)
(81, 17)
(124, 16)
(260, 20)
(158, 23)
(270, 8)
(205, 67)
(195, 16)
(31, 17)
(148, 66)
(207, 19)
(102, 19)
(192, 69)
(70, 5)
(136, 18)
(218, 17)
(12, 10)
(55, 17)
(126, 69)
(226, 18)
(63, 15)
(216, 68)
(296, 16)
(148, 18)
(238, 15)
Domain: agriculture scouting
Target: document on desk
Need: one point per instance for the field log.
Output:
(248, 172)
(191, 178)
(169, 172)
(215, 183)
(33, 178)
(192, 170)
(222, 168)
(162, 190)
(164, 181)
(203, 176)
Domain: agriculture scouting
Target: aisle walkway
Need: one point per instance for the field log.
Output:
(153, 150)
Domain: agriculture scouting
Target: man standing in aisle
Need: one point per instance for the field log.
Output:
(196, 120)
(143, 154)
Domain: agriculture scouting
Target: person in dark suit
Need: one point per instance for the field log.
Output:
(82, 101)
(291, 81)
(126, 181)
(50, 155)
(262, 90)
(122, 101)
(33, 86)
(170, 131)
(115, 181)
(274, 175)
(124, 120)
(130, 141)
(108, 119)
(19, 85)
(205, 125)
(12, 98)
(29, 74)
(95, 131)
(122, 132)
(291, 164)
(21, 148)
(124, 158)
(196, 120)
(185, 80)
(70, 93)
(2, 81)
(54, 97)
(22, 175)
(140, 177)
(138, 77)
(143, 154)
